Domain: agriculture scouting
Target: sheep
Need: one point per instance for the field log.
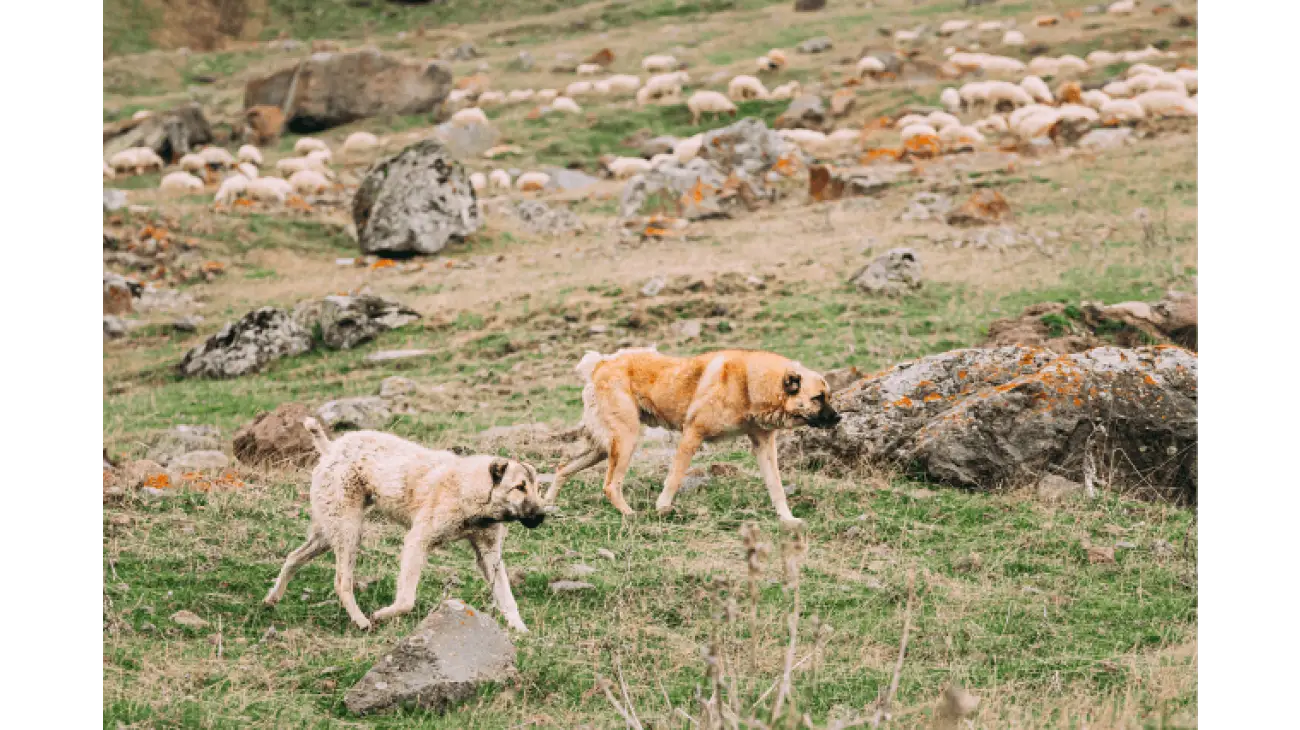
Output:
(249, 153)
(914, 131)
(774, 60)
(645, 95)
(960, 137)
(193, 163)
(993, 124)
(1166, 103)
(658, 64)
(290, 165)
(870, 66)
(601, 88)
(230, 190)
(137, 159)
(359, 145)
(307, 144)
(787, 90)
(974, 93)
(1069, 92)
(1122, 7)
(1000, 65)
(565, 104)
(950, 98)
(1070, 64)
(499, 179)
(1038, 124)
(1045, 21)
(1118, 111)
(1005, 93)
(108, 171)
(532, 181)
(953, 27)
(685, 150)
(906, 37)
(490, 99)
(1016, 117)
(546, 96)
(217, 157)
(705, 102)
(1078, 113)
(1150, 53)
(578, 88)
(269, 189)
(801, 137)
(940, 120)
(1037, 88)
(1188, 77)
(1094, 98)
(478, 181)
(908, 120)
(623, 83)
(744, 88)
(662, 159)
(1139, 69)
(180, 183)
(589, 69)
(324, 157)
(1156, 82)
(1102, 58)
(247, 169)
(469, 117)
(457, 98)
(990, 26)
(625, 167)
(518, 95)
(663, 85)
(1117, 89)
(1013, 38)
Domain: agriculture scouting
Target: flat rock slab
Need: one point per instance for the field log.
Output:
(390, 355)
(455, 650)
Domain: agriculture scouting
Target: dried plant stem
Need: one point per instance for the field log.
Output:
(883, 712)
(630, 719)
(793, 621)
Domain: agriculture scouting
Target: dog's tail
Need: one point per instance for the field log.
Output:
(587, 365)
(318, 436)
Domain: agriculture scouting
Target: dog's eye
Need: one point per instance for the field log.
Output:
(522, 486)
(819, 398)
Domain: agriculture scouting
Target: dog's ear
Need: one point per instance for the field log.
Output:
(792, 382)
(498, 470)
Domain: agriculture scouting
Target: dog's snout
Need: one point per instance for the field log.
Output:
(534, 521)
(827, 417)
(532, 515)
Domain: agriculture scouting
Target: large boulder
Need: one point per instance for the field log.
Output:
(170, 133)
(246, 346)
(330, 89)
(415, 202)
(177, 441)
(119, 294)
(987, 418)
(360, 413)
(342, 322)
(897, 271)
(746, 148)
(662, 187)
(544, 220)
(276, 438)
(454, 651)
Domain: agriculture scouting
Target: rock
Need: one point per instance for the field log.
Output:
(570, 586)
(330, 89)
(898, 271)
(343, 322)
(452, 653)
(170, 133)
(468, 142)
(563, 178)
(579, 570)
(1103, 138)
(246, 346)
(1070, 328)
(653, 287)
(114, 200)
(361, 413)
(805, 112)
(200, 460)
(820, 44)
(842, 102)
(565, 63)
(606, 553)
(188, 619)
(462, 52)
(390, 355)
(396, 387)
(826, 182)
(808, 6)
(661, 145)
(415, 202)
(841, 378)
(523, 62)
(544, 220)
(153, 299)
(668, 184)
(746, 148)
(926, 206)
(114, 326)
(983, 207)
(688, 329)
(982, 418)
(1053, 488)
(1099, 555)
(276, 438)
(180, 440)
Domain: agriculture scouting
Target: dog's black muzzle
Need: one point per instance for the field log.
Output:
(533, 518)
(825, 418)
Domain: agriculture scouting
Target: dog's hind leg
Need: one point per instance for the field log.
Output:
(347, 541)
(315, 545)
(414, 551)
(487, 550)
(589, 458)
(622, 443)
(686, 449)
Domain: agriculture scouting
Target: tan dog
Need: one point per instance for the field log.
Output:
(706, 397)
(440, 496)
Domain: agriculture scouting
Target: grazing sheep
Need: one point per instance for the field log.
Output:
(578, 88)
(1005, 93)
(659, 64)
(1069, 92)
(1188, 77)
(662, 159)
(249, 153)
(953, 27)
(193, 163)
(992, 65)
(1117, 89)
(490, 99)
(247, 169)
(307, 144)
(565, 104)
(625, 167)
(518, 95)
(809, 141)
(1038, 124)
(359, 145)
(180, 183)
(269, 189)
(1150, 53)
(1067, 65)
(546, 96)
(230, 190)
(906, 37)
(1101, 58)
(137, 159)
(914, 131)
(1037, 88)
(469, 117)
(1078, 113)
(217, 157)
(290, 165)
(532, 181)
(685, 150)
(662, 86)
(787, 90)
(1118, 111)
(601, 88)
(993, 124)
(1122, 7)
(589, 69)
(974, 93)
(307, 182)
(870, 66)
(960, 137)
(951, 99)
(939, 120)
(908, 120)
(1013, 38)
(478, 181)
(1166, 103)
(1019, 115)
(774, 60)
(709, 102)
(1139, 69)
(744, 88)
(623, 83)
(1094, 98)
(457, 99)
(1156, 82)
(991, 26)
(324, 157)
(499, 179)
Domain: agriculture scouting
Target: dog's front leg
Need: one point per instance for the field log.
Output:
(487, 550)
(690, 443)
(414, 552)
(765, 452)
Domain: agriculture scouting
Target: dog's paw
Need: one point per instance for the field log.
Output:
(664, 509)
(793, 524)
(270, 600)
(363, 623)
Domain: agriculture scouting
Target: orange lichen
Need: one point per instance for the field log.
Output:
(932, 397)
(923, 145)
(383, 264)
(158, 481)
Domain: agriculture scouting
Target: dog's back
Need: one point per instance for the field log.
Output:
(380, 468)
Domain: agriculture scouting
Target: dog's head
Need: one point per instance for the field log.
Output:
(506, 491)
(808, 397)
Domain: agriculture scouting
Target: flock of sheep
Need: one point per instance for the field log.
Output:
(1008, 98)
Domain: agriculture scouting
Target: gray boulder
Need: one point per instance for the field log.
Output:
(114, 326)
(747, 148)
(563, 178)
(454, 651)
(415, 202)
(170, 133)
(660, 145)
(896, 272)
(343, 322)
(246, 346)
(820, 44)
(114, 200)
(665, 184)
(362, 413)
(987, 418)
(177, 441)
(804, 112)
(544, 220)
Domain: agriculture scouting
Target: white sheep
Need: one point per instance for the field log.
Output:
(991, 26)
(532, 181)
(906, 37)
(247, 169)
(193, 163)
(709, 102)
(181, 183)
(1094, 98)
(950, 98)
(623, 83)
(974, 93)
(992, 124)
(914, 131)
(589, 69)
(1156, 82)
(307, 144)
(565, 104)
(1139, 69)
(1166, 103)
(1117, 89)
(870, 66)
(217, 157)
(1038, 124)
(478, 181)
(908, 120)
(601, 88)
(1150, 53)
(360, 145)
(1019, 115)
(960, 137)
(137, 159)
(499, 179)
(1037, 88)
(546, 96)
(578, 88)
(788, 90)
(268, 189)
(1101, 58)
(307, 182)
(744, 88)
(661, 159)
(809, 141)
(108, 171)
(249, 153)
(939, 120)
(1013, 38)
(1078, 113)
(469, 117)
(324, 157)
(657, 64)
(518, 95)
(625, 167)
(1188, 77)
(685, 150)
(1118, 111)
(663, 85)
(290, 165)
(489, 99)
(457, 98)
(952, 27)
(1122, 7)
(230, 189)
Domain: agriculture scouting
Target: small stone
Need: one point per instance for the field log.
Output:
(689, 329)
(580, 570)
(569, 586)
(359, 413)
(1162, 548)
(187, 324)
(1100, 555)
(189, 619)
(389, 355)
(1125, 545)
(820, 44)
(724, 470)
(653, 287)
(606, 553)
(200, 460)
(114, 326)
